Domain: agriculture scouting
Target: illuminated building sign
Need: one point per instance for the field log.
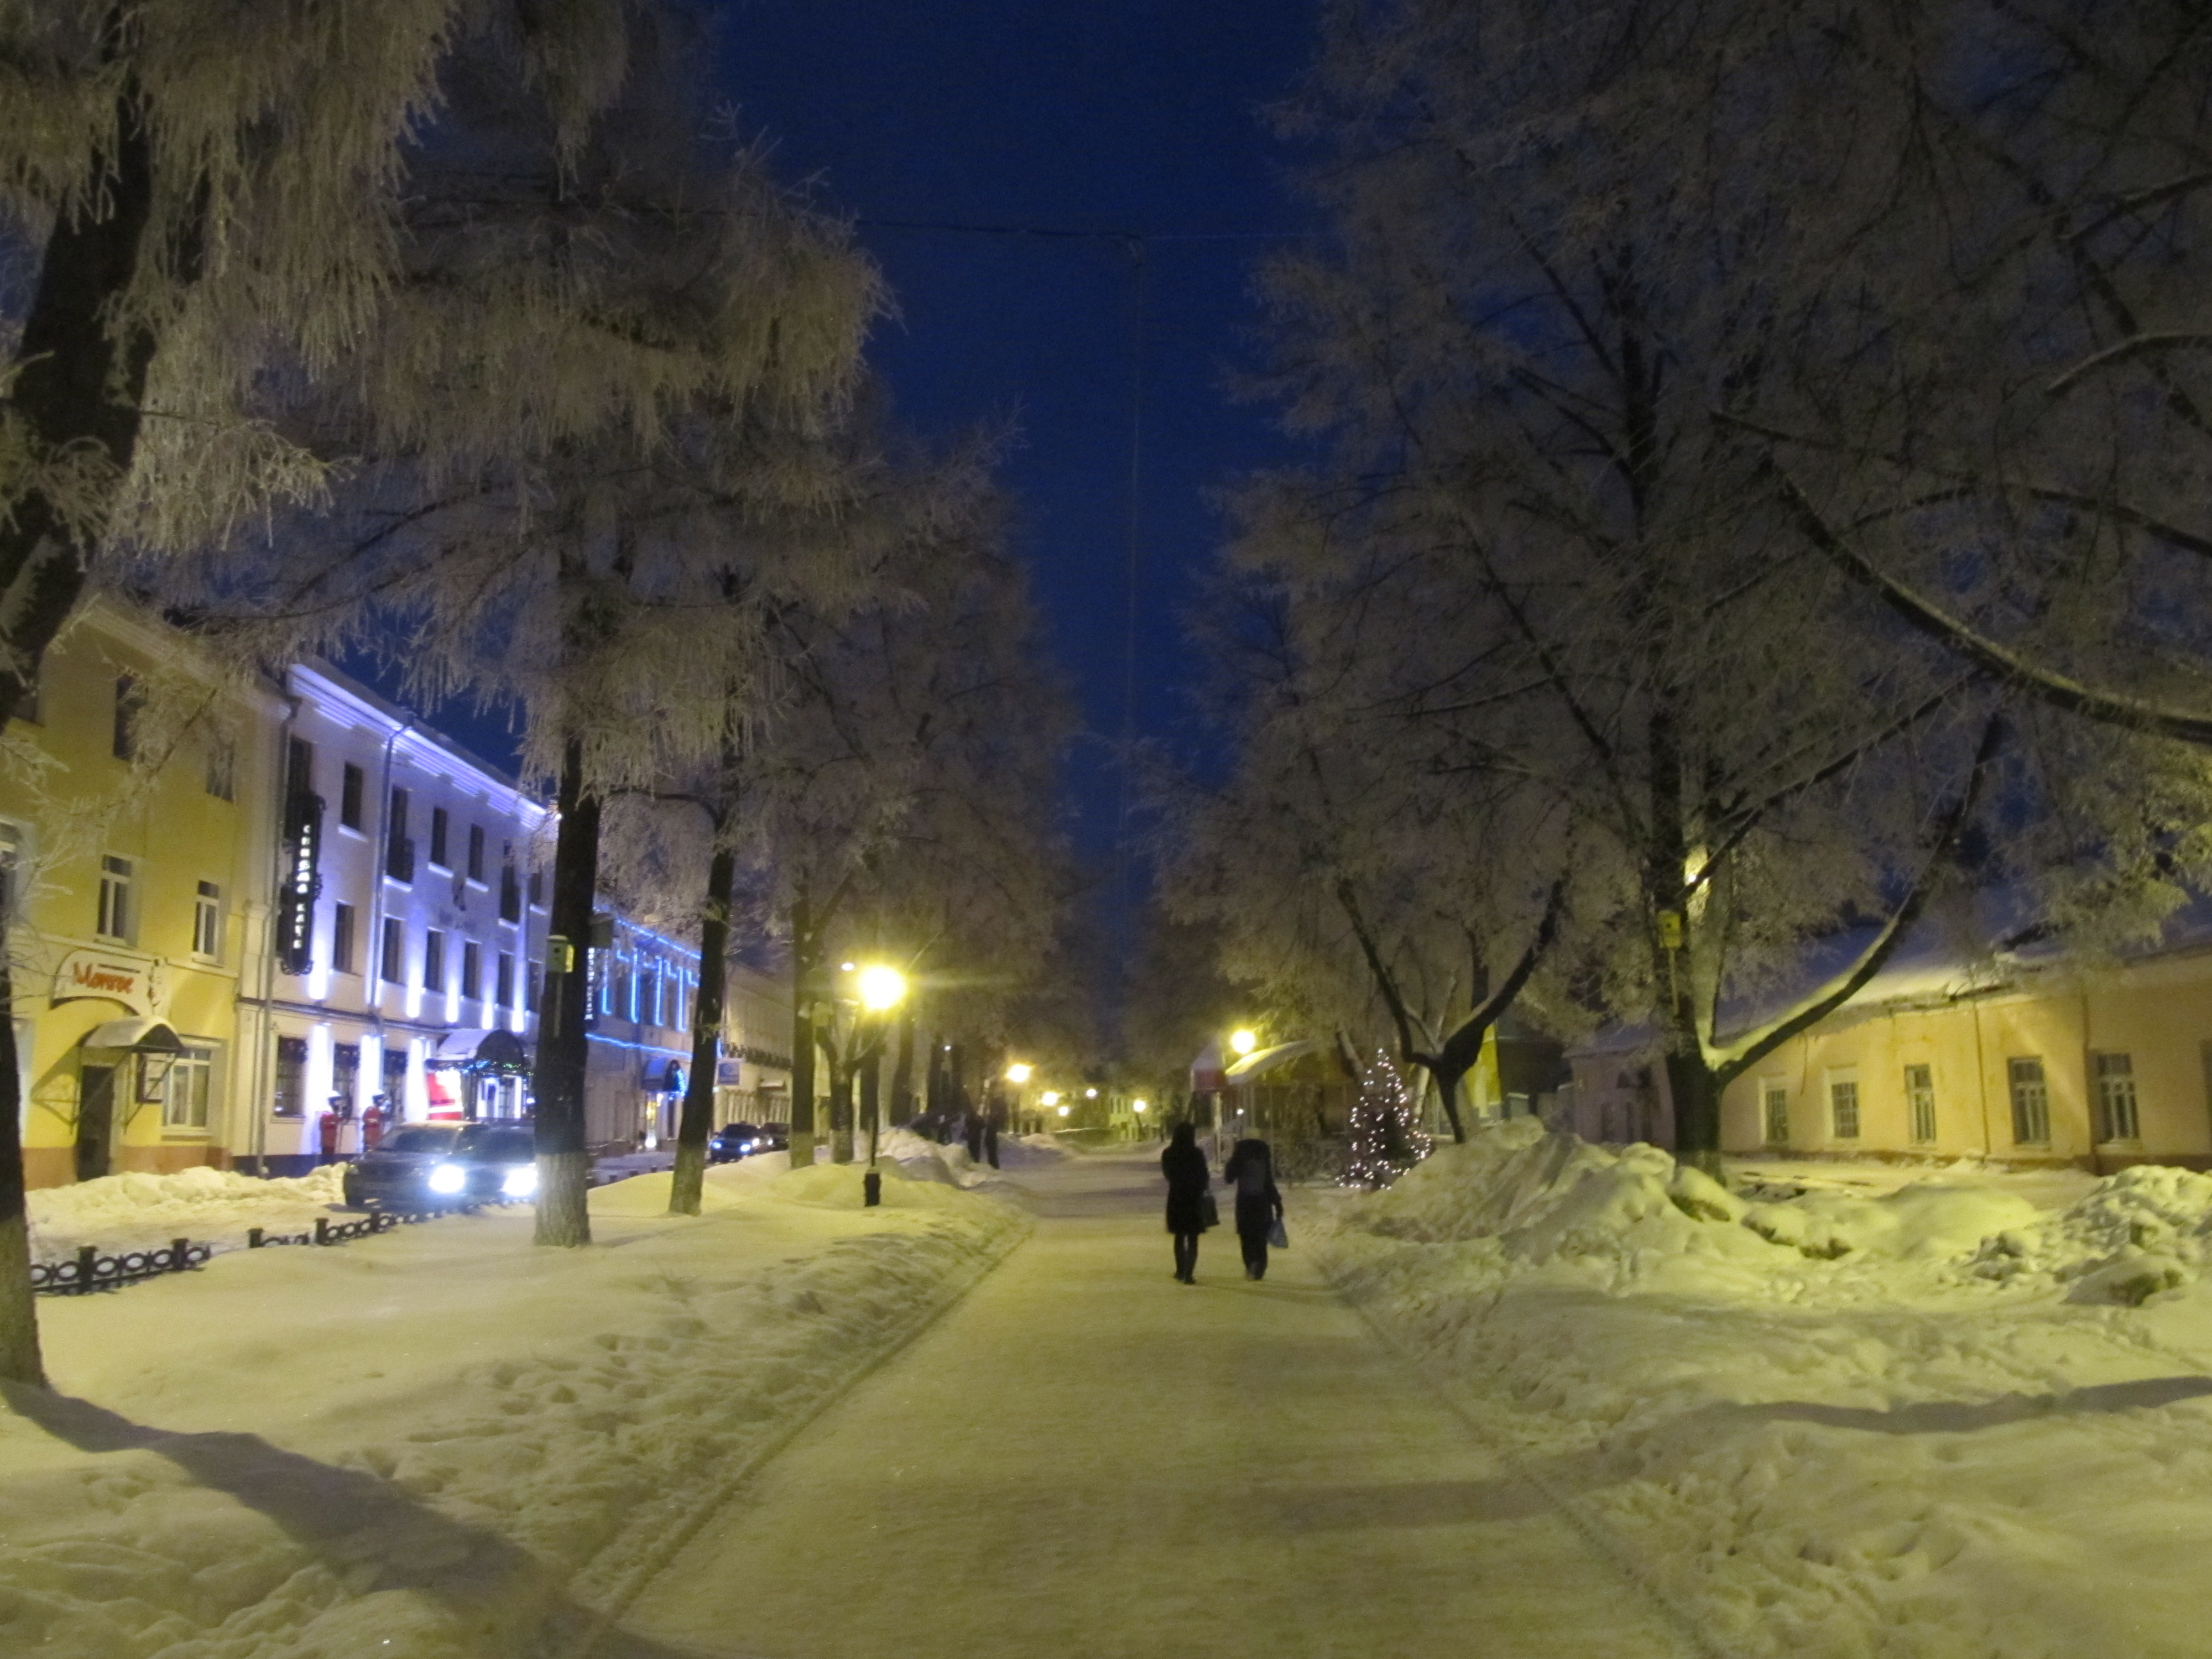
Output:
(302, 881)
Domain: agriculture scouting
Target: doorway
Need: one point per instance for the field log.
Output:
(95, 1121)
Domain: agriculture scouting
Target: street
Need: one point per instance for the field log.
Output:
(1083, 1457)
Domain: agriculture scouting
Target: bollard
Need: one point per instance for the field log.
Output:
(180, 1255)
(872, 1190)
(322, 1229)
(253, 1238)
(88, 1266)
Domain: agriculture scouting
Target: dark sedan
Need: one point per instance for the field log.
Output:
(427, 1166)
(732, 1141)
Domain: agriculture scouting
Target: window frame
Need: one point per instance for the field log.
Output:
(118, 881)
(1774, 1111)
(1845, 1106)
(2030, 1098)
(2118, 1104)
(1921, 1124)
(433, 959)
(207, 921)
(344, 920)
(353, 789)
(191, 1073)
(391, 965)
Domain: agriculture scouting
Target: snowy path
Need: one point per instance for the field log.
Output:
(1085, 1458)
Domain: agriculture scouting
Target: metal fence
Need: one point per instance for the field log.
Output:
(89, 1270)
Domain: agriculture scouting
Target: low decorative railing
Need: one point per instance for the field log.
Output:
(89, 1271)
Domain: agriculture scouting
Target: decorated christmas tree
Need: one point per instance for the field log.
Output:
(1386, 1131)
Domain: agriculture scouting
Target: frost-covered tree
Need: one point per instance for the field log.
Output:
(203, 195)
(1522, 356)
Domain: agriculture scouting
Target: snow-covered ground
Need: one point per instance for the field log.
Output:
(208, 1206)
(444, 1443)
(1901, 1417)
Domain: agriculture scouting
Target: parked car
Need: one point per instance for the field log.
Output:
(427, 1166)
(733, 1141)
(773, 1137)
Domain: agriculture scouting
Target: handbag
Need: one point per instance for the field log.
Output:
(1277, 1238)
(1209, 1213)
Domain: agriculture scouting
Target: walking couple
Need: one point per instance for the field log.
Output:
(1191, 1210)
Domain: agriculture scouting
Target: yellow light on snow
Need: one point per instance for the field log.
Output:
(1018, 1073)
(881, 988)
(1243, 1042)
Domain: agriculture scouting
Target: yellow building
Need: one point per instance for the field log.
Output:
(138, 898)
(2032, 1060)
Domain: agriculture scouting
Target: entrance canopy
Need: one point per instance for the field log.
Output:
(138, 1037)
(1266, 1060)
(493, 1050)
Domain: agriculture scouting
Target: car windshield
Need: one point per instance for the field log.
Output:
(421, 1138)
(506, 1146)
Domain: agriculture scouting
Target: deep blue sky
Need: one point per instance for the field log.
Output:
(1112, 116)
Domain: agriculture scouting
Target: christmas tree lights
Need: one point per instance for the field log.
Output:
(1386, 1132)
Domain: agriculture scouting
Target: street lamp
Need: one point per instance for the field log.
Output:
(1050, 1097)
(881, 989)
(1243, 1042)
(1018, 1073)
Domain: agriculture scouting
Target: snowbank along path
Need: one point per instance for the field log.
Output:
(1086, 1458)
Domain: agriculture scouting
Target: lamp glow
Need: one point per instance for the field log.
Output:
(1137, 1105)
(1090, 1094)
(1051, 1096)
(1065, 1110)
(1018, 1073)
(881, 988)
(1243, 1042)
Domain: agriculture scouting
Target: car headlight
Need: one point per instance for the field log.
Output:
(448, 1178)
(521, 1181)
(744, 1146)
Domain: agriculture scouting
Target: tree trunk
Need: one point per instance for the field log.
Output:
(872, 1100)
(1697, 1100)
(841, 1112)
(19, 1360)
(563, 1048)
(76, 388)
(803, 949)
(698, 1120)
(903, 1071)
(1448, 1072)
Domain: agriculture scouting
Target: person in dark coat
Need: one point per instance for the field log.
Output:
(1251, 1172)
(1189, 1182)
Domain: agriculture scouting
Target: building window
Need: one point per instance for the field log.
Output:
(186, 1090)
(476, 853)
(116, 908)
(537, 889)
(222, 765)
(1920, 1099)
(433, 960)
(1843, 1107)
(1774, 1103)
(130, 704)
(394, 967)
(510, 894)
(649, 995)
(471, 970)
(2030, 1103)
(398, 850)
(207, 921)
(299, 768)
(503, 980)
(532, 986)
(11, 865)
(342, 926)
(345, 1074)
(2115, 1098)
(351, 784)
(290, 1089)
(441, 825)
(395, 1076)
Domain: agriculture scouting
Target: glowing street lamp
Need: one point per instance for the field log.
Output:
(1018, 1073)
(1138, 1107)
(1243, 1042)
(1090, 1094)
(882, 988)
(1050, 1097)
(1065, 1110)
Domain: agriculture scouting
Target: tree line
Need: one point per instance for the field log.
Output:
(466, 329)
(1753, 495)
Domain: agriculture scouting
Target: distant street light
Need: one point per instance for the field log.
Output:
(1243, 1042)
(1051, 1097)
(1137, 1105)
(1018, 1073)
(1065, 1110)
(1090, 1094)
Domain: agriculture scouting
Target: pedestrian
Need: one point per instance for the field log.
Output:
(1189, 1199)
(1251, 1170)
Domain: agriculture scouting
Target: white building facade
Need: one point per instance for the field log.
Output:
(408, 932)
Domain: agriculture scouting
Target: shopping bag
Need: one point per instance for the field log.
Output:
(1209, 1213)
(1277, 1238)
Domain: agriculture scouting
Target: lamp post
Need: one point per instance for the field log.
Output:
(1019, 1073)
(882, 988)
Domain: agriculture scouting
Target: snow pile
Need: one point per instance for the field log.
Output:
(443, 1442)
(1912, 1424)
(138, 1212)
(2145, 1231)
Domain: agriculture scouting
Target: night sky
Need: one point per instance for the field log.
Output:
(968, 139)
(1113, 118)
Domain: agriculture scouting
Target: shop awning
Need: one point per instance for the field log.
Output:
(495, 1049)
(1267, 1060)
(144, 1036)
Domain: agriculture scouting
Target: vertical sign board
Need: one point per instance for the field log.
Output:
(302, 880)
